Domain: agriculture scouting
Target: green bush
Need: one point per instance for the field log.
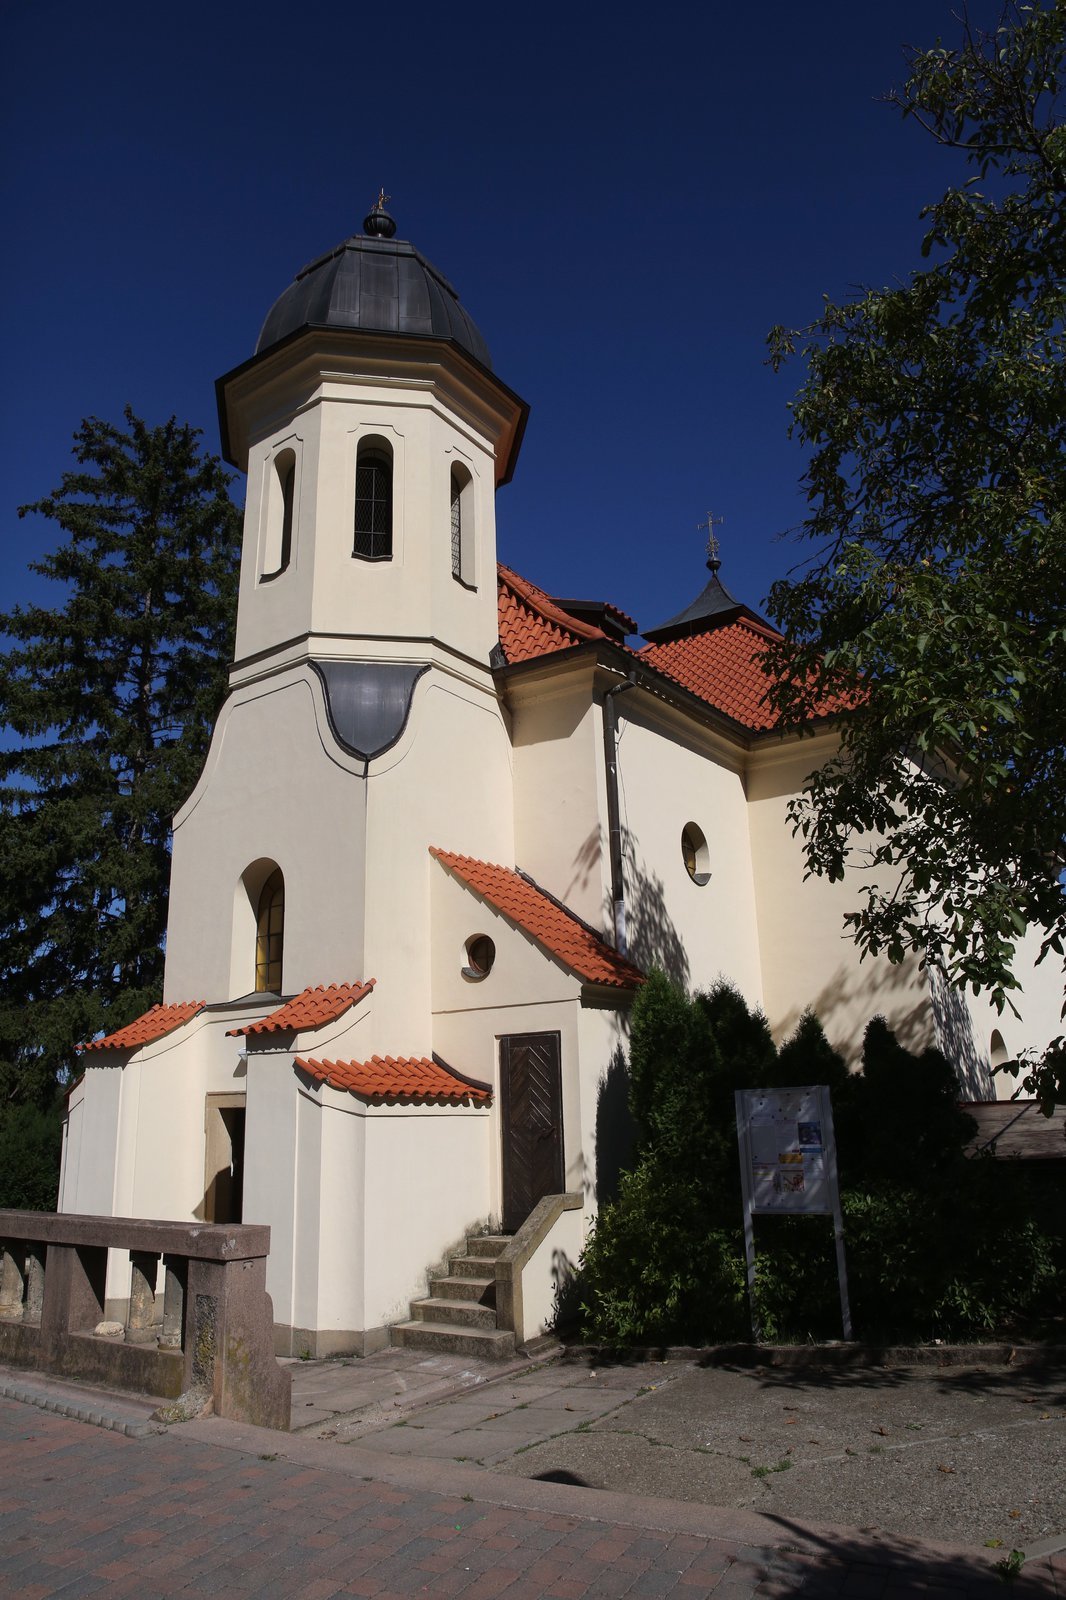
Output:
(938, 1245)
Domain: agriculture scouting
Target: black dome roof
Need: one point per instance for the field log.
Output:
(379, 284)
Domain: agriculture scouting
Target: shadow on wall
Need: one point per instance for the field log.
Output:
(954, 1029)
(588, 864)
(567, 1297)
(852, 996)
(616, 1131)
(652, 939)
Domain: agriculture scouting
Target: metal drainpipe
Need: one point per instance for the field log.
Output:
(614, 824)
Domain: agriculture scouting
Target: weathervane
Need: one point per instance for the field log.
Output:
(382, 200)
(713, 559)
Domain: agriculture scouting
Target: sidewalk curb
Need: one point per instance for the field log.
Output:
(815, 1357)
(101, 1415)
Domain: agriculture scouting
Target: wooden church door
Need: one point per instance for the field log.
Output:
(532, 1108)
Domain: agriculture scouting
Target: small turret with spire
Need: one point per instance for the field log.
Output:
(713, 606)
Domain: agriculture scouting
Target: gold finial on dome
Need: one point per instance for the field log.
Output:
(378, 224)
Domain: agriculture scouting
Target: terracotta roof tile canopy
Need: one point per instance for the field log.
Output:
(399, 1080)
(714, 650)
(533, 624)
(723, 667)
(154, 1024)
(311, 1008)
(555, 928)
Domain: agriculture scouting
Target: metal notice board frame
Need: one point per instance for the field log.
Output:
(788, 1167)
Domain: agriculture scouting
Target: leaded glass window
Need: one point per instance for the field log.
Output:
(270, 935)
(373, 505)
(457, 528)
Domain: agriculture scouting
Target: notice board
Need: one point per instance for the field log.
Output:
(788, 1165)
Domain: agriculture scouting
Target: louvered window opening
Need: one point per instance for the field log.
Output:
(457, 529)
(373, 508)
(270, 935)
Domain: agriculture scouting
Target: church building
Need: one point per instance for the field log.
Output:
(446, 824)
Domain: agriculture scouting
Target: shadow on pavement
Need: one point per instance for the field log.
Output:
(896, 1567)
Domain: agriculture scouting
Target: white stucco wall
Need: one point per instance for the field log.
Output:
(87, 1178)
(427, 1182)
(1030, 1022)
(447, 783)
(694, 932)
(527, 991)
(548, 1271)
(276, 787)
(808, 960)
(559, 794)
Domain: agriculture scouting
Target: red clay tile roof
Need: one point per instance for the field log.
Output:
(550, 924)
(311, 1008)
(409, 1080)
(722, 667)
(531, 624)
(154, 1024)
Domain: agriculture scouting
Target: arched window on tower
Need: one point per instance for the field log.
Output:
(997, 1050)
(281, 497)
(270, 935)
(373, 501)
(462, 527)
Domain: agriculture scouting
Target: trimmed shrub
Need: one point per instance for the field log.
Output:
(938, 1245)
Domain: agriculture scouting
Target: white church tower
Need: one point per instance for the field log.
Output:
(374, 435)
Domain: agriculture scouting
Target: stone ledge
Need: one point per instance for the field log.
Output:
(100, 1415)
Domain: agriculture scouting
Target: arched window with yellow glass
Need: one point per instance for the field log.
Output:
(270, 935)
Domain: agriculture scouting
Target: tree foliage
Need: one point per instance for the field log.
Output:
(934, 412)
(110, 698)
(938, 1244)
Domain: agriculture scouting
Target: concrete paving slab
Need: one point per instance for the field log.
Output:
(929, 1450)
(974, 1455)
(349, 1396)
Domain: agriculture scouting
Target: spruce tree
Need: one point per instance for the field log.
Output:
(110, 698)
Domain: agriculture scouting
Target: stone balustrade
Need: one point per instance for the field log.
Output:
(209, 1332)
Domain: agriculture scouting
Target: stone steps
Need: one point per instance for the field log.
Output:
(456, 1313)
(471, 1267)
(458, 1316)
(488, 1245)
(482, 1291)
(448, 1340)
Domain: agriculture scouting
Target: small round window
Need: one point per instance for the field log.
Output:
(694, 853)
(480, 955)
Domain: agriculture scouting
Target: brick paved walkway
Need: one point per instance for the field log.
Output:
(87, 1512)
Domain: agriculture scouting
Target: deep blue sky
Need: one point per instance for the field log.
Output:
(626, 198)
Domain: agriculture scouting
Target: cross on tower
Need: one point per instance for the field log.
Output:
(711, 522)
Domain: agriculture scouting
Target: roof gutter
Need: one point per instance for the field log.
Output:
(614, 822)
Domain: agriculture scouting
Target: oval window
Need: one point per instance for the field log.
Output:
(694, 853)
(480, 956)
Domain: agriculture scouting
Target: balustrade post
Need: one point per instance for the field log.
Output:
(176, 1269)
(12, 1281)
(36, 1255)
(142, 1297)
